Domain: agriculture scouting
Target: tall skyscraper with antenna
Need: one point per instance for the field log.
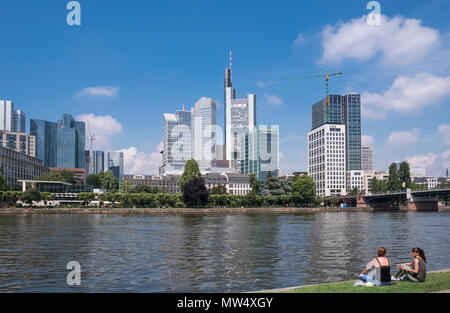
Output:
(239, 119)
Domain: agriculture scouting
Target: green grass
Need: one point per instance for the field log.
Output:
(434, 282)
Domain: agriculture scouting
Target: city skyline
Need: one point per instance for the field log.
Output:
(403, 93)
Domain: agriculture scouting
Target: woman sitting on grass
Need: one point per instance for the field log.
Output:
(417, 273)
(378, 271)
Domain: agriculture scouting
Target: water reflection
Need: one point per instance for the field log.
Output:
(209, 253)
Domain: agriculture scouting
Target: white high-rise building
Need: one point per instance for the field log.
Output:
(203, 126)
(10, 119)
(326, 159)
(19, 121)
(240, 118)
(177, 142)
(7, 115)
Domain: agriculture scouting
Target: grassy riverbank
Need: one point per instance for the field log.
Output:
(435, 281)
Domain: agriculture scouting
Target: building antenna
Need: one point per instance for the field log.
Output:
(231, 64)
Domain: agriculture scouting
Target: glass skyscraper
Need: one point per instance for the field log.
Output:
(115, 163)
(351, 109)
(203, 129)
(259, 152)
(61, 144)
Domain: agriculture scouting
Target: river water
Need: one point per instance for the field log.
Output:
(209, 253)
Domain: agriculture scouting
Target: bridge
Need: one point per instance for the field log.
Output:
(421, 200)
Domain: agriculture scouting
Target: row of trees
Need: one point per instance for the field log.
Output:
(10, 197)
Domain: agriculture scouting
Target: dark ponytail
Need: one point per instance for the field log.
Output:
(421, 253)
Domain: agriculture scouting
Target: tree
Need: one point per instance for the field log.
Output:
(378, 186)
(272, 186)
(190, 172)
(255, 184)
(195, 193)
(415, 186)
(108, 181)
(3, 184)
(334, 200)
(63, 176)
(94, 181)
(219, 190)
(404, 175)
(303, 189)
(394, 183)
(30, 195)
(353, 192)
(86, 197)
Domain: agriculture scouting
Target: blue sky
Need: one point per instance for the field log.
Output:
(131, 61)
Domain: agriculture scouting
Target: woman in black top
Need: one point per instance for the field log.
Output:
(378, 271)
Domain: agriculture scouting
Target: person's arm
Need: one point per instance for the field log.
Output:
(368, 268)
(416, 267)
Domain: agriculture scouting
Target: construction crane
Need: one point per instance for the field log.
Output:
(327, 97)
(91, 138)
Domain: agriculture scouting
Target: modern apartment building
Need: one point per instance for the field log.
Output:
(367, 158)
(326, 159)
(60, 144)
(21, 142)
(115, 163)
(260, 152)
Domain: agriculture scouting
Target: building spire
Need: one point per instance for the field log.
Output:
(231, 63)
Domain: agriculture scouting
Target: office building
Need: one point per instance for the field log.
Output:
(351, 114)
(343, 110)
(334, 115)
(61, 144)
(326, 159)
(17, 166)
(260, 152)
(356, 180)
(96, 162)
(21, 142)
(115, 163)
(240, 117)
(177, 141)
(203, 132)
(169, 183)
(367, 158)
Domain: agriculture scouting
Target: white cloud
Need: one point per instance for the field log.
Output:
(406, 95)
(404, 137)
(104, 91)
(138, 162)
(273, 99)
(422, 161)
(104, 127)
(261, 84)
(446, 154)
(300, 39)
(397, 40)
(367, 140)
(444, 132)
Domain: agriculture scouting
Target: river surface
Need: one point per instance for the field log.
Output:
(209, 253)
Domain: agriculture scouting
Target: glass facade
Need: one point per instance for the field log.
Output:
(97, 163)
(60, 144)
(115, 163)
(259, 152)
(319, 112)
(351, 105)
(177, 144)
